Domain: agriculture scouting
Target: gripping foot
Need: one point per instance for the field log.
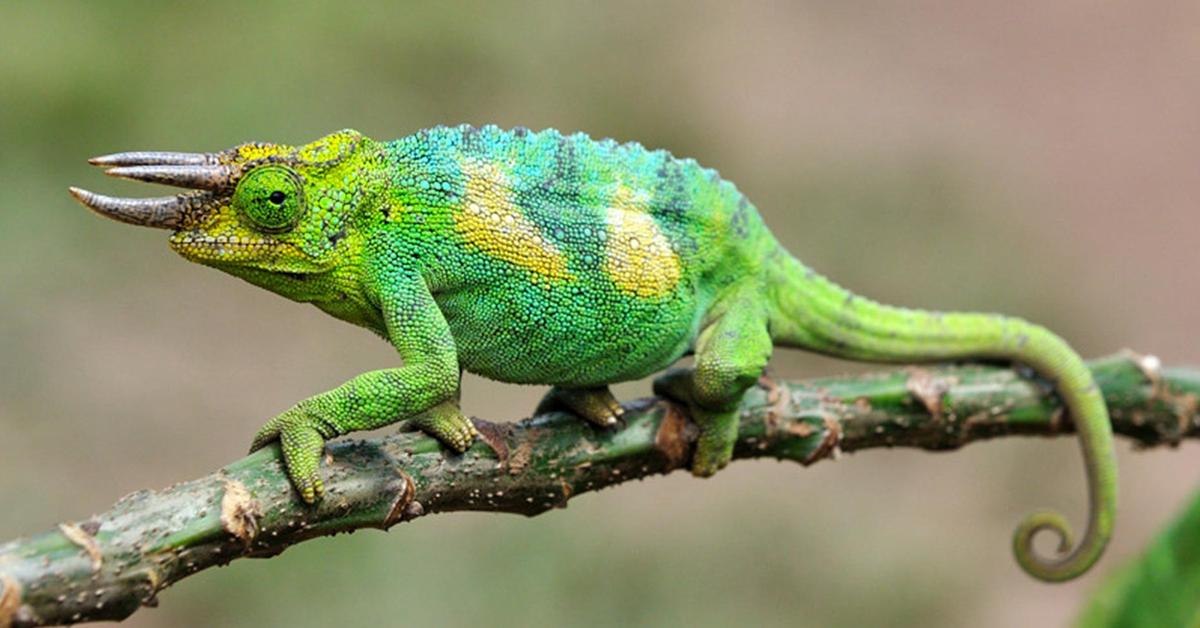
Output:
(302, 431)
(446, 423)
(596, 405)
(718, 427)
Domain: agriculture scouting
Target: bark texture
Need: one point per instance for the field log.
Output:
(108, 566)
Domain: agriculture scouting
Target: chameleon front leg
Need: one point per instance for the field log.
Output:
(597, 405)
(731, 353)
(424, 391)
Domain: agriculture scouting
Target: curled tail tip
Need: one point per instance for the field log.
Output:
(1069, 563)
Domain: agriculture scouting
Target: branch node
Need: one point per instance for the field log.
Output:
(520, 458)
(153, 582)
(830, 443)
(495, 435)
(1183, 405)
(87, 542)
(675, 436)
(239, 512)
(929, 389)
(778, 399)
(1148, 364)
(405, 507)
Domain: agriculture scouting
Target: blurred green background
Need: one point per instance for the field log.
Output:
(1036, 160)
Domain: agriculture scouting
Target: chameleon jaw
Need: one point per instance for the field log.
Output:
(201, 247)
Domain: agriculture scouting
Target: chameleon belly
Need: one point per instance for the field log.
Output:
(570, 334)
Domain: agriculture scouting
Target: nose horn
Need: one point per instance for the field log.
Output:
(161, 213)
(154, 158)
(191, 177)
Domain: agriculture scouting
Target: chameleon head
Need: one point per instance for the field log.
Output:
(255, 207)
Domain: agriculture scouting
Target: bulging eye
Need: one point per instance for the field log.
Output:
(271, 197)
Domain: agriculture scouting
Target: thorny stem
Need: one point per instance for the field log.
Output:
(108, 566)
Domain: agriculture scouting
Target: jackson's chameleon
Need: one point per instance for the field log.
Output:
(542, 258)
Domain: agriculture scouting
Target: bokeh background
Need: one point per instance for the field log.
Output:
(1031, 158)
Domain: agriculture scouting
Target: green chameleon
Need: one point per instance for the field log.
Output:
(542, 258)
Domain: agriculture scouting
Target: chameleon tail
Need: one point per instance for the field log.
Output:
(810, 312)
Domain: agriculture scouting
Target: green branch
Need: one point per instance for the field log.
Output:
(109, 566)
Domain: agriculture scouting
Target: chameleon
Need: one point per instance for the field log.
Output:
(561, 260)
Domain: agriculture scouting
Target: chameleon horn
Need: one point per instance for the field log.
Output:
(161, 213)
(154, 158)
(193, 177)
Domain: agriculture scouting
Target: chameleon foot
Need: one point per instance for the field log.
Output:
(301, 432)
(596, 405)
(714, 448)
(718, 427)
(446, 423)
(301, 435)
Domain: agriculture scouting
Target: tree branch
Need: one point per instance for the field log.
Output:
(108, 566)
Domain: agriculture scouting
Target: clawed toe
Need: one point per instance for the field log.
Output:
(597, 406)
(446, 423)
(462, 437)
(310, 488)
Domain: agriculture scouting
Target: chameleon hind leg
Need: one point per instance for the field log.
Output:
(731, 353)
(597, 405)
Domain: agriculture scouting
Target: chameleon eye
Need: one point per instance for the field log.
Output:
(271, 197)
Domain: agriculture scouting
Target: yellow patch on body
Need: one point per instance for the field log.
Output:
(639, 259)
(490, 221)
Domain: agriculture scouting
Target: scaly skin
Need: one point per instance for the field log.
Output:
(539, 258)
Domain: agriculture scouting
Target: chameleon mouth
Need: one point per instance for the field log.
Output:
(202, 247)
(204, 174)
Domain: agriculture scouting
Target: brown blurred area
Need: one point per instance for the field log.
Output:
(1033, 158)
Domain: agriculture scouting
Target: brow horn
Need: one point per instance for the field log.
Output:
(154, 158)
(191, 177)
(162, 213)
